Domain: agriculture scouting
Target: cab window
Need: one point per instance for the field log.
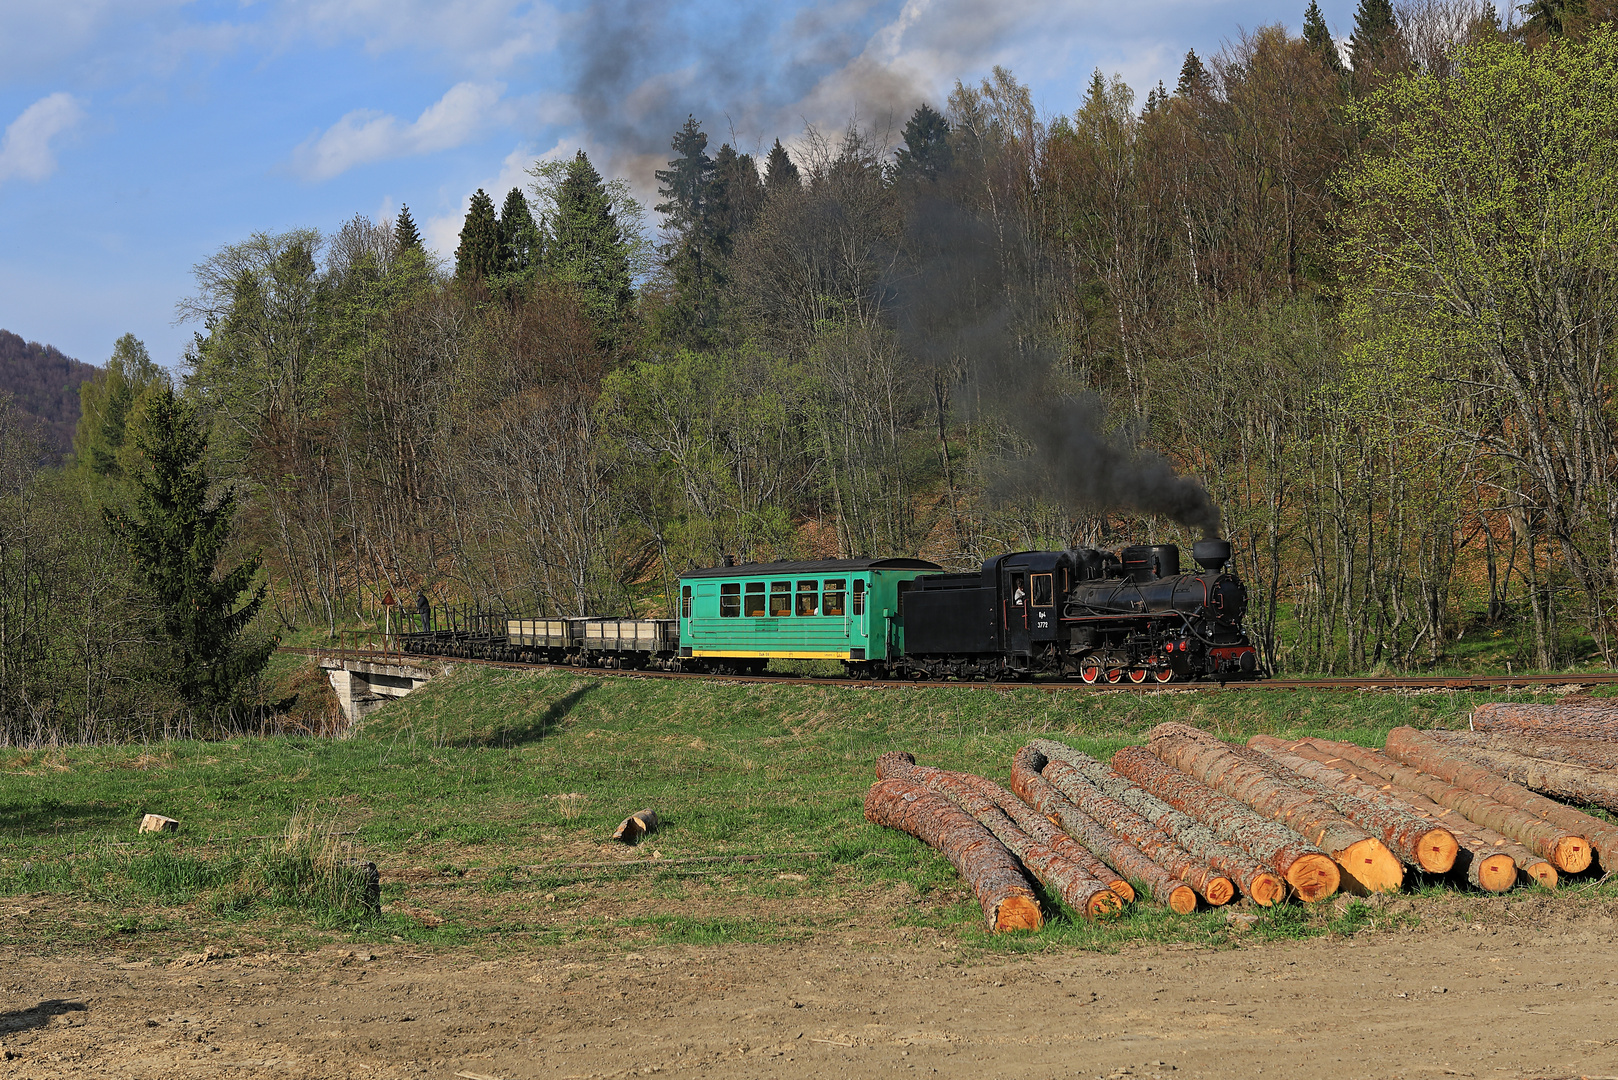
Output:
(859, 597)
(753, 599)
(808, 598)
(685, 602)
(780, 598)
(833, 598)
(1042, 590)
(730, 600)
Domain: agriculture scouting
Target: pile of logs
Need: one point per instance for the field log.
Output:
(1193, 820)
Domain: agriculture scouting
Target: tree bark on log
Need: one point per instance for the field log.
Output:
(1581, 721)
(1368, 866)
(1312, 873)
(1562, 749)
(994, 876)
(1485, 865)
(1416, 838)
(1051, 862)
(1525, 837)
(1073, 773)
(1580, 832)
(1574, 783)
(1143, 860)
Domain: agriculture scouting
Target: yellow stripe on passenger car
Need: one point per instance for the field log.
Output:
(766, 654)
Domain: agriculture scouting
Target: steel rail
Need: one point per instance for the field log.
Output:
(1342, 682)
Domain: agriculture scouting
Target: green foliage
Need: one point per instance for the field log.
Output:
(111, 407)
(1193, 76)
(176, 541)
(479, 255)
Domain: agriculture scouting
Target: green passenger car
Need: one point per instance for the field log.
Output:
(738, 618)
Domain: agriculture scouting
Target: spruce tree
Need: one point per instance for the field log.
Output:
(1193, 76)
(692, 207)
(1318, 37)
(176, 540)
(586, 249)
(404, 231)
(779, 172)
(521, 246)
(1376, 37)
(926, 154)
(478, 256)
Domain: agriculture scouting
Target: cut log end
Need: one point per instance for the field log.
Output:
(1267, 890)
(1219, 891)
(1369, 867)
(1124, 891)
(1313, 877)
(637, 825)
(1104, 903)
(1572, 854)
(1437, 851)
(1543, 873)
(1183, 900)
(1019, 913)
(1497, 873)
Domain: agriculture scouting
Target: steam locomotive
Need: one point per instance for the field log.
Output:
(1093, 614)
(1096, 615)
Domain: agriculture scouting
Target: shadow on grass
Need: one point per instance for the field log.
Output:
(533, 729)
(38, 1016)
(52, 816)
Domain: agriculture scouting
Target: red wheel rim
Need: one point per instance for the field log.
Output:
(1137, 675)
(1163, 674)
(1115, 674)
(1091, 674)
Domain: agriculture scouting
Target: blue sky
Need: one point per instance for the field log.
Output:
(139, 136)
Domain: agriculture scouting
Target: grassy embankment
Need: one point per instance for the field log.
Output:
(486, 799)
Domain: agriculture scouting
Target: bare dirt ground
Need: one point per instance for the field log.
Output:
(1531, 997)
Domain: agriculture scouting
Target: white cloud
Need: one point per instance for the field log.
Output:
(475, 35)
(366, 135)
(26, 150)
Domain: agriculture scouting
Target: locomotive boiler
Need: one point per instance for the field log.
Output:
(1094, 614)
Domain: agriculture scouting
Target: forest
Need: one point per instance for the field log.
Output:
(1352, 307)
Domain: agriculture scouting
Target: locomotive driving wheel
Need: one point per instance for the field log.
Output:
(1115, 675)
(1090, 673)
(1137, 675)
(1163, 675)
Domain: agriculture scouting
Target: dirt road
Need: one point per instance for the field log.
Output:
(1536, 999)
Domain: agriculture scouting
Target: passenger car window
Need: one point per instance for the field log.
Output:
(833, 598)
(753, 602)
(780, 598)
(730, 600)
(685, 602)
(859, 598)
(808, 598)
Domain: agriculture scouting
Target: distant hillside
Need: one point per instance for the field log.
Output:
(44, 383)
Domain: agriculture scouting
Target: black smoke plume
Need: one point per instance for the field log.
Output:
(967, 311)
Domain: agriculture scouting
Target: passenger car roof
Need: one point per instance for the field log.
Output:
(816, 566)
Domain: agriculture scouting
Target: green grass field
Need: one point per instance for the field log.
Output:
(487, 797)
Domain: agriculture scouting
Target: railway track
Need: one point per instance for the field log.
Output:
(1354, 682)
